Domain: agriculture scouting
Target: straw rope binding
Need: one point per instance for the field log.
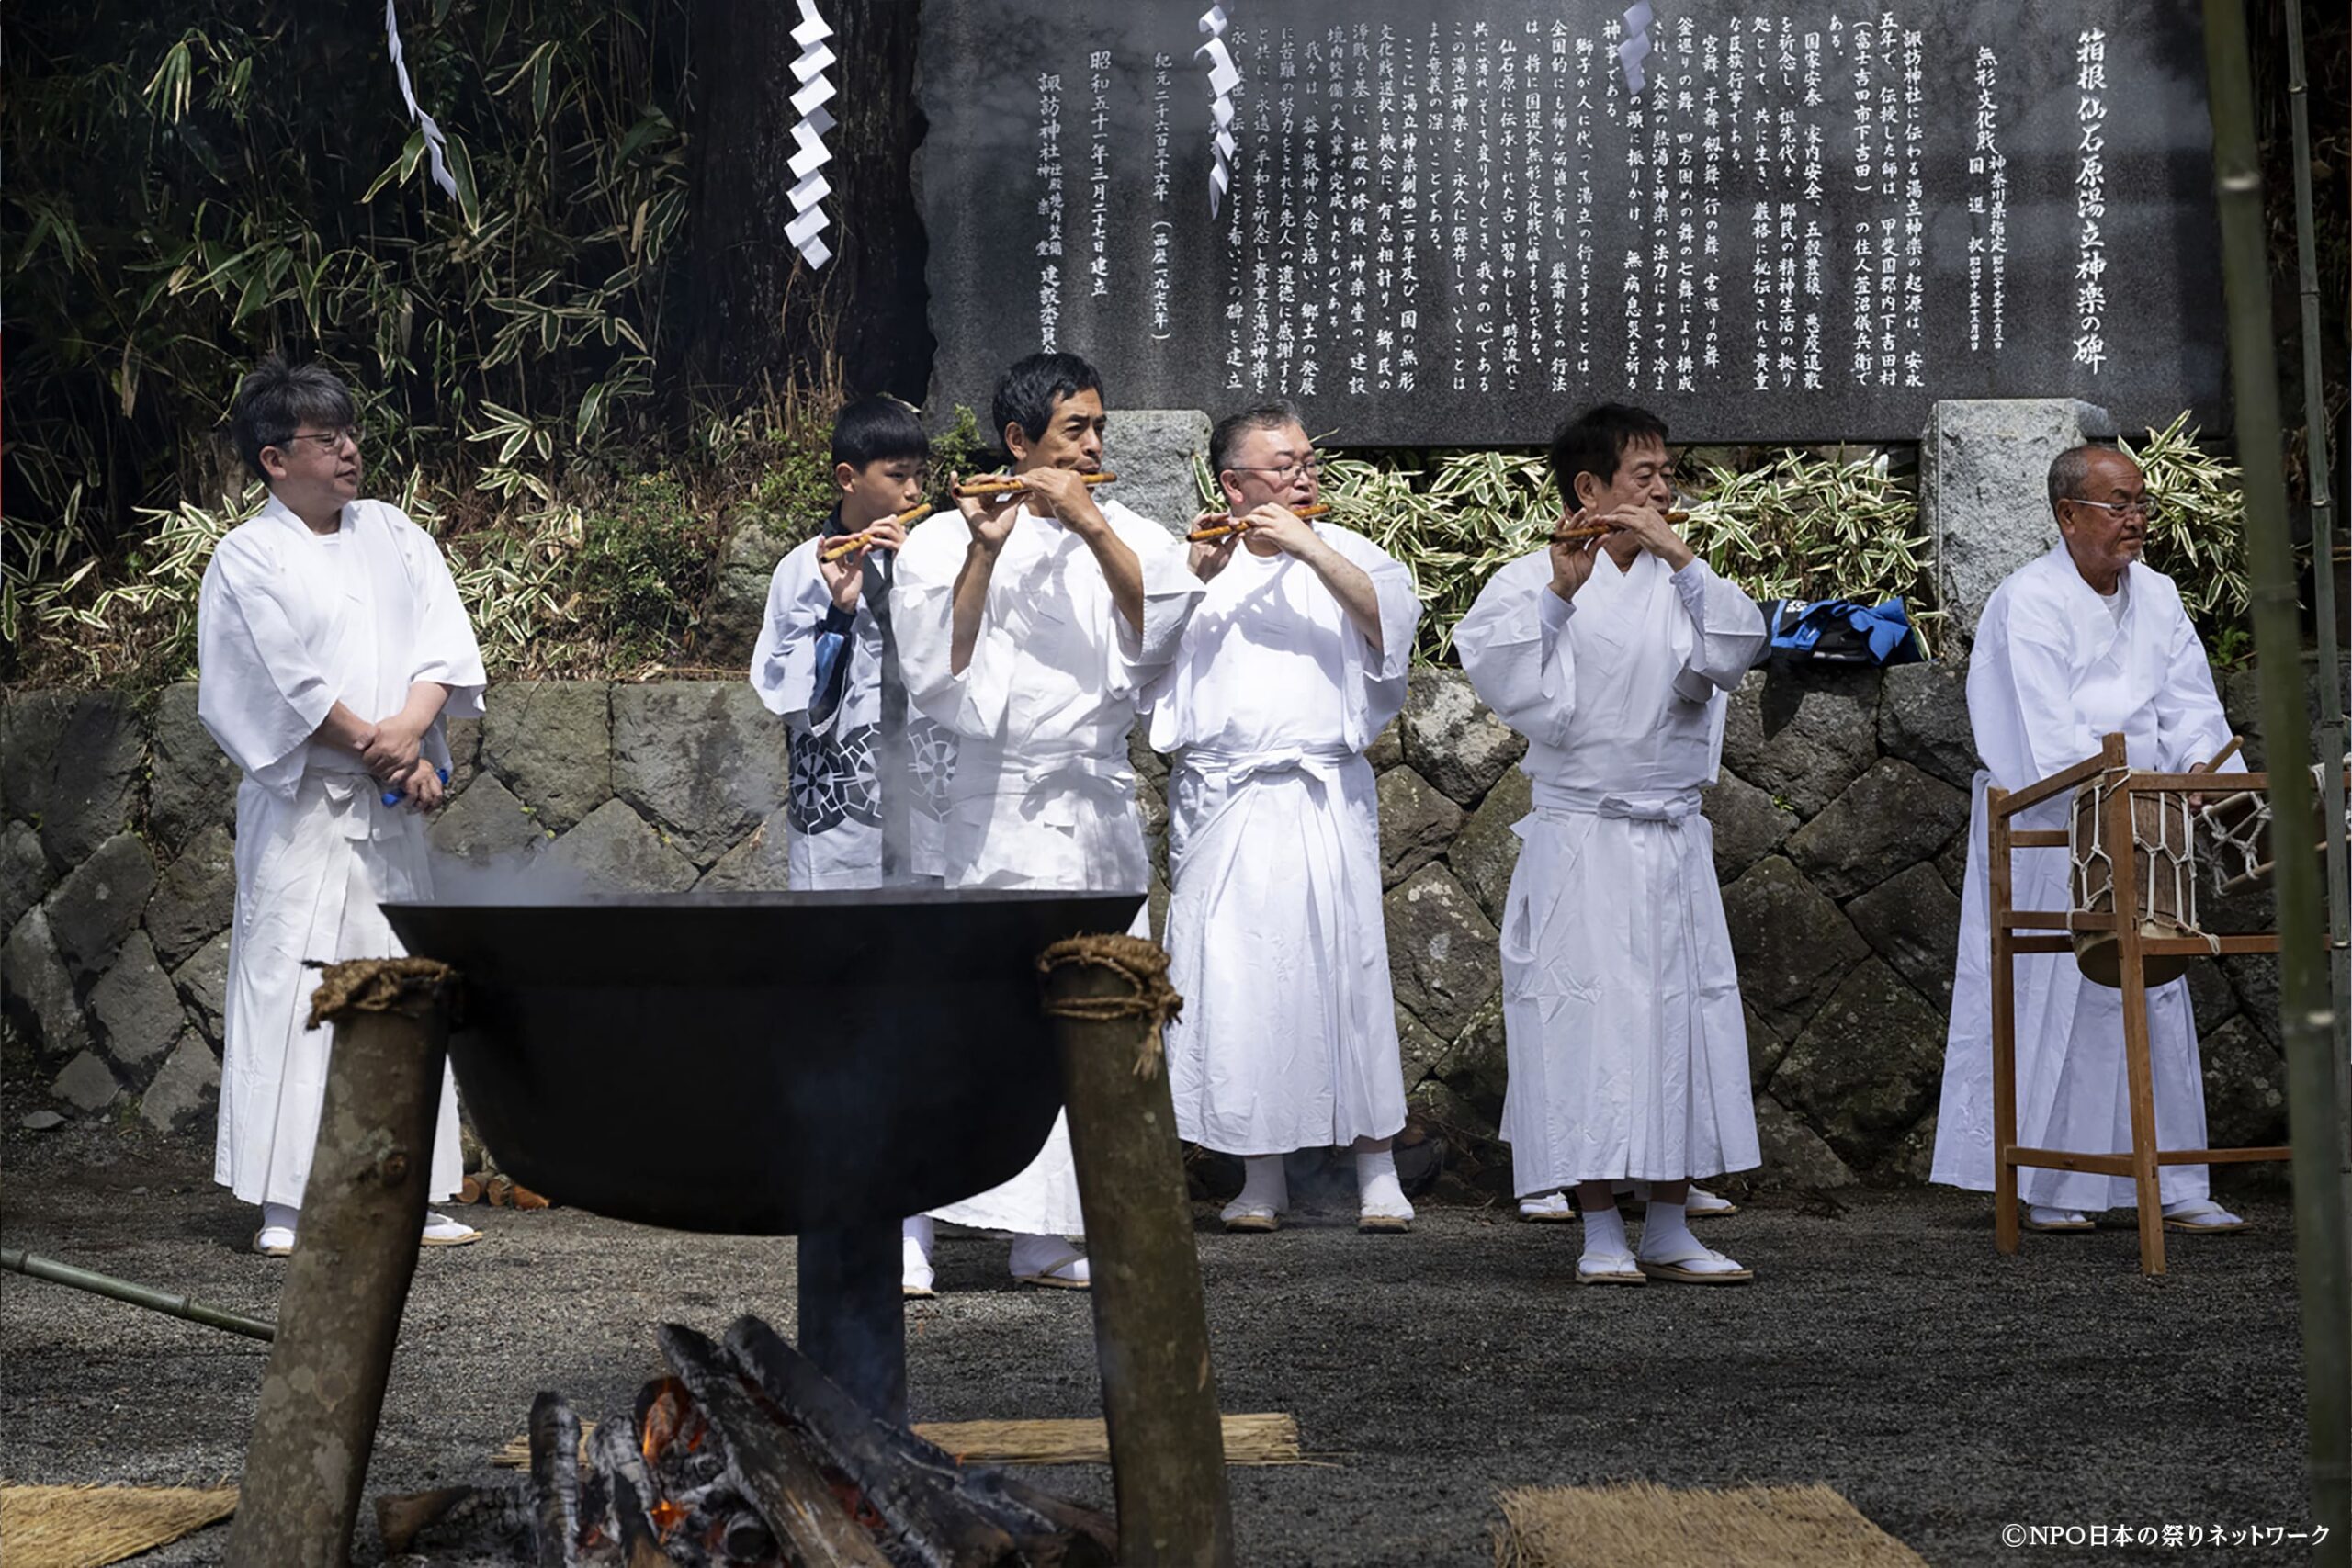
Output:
(378, 984)
(1143, 965)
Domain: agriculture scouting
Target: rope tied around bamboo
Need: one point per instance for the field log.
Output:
(410, 986)
(1142, 965)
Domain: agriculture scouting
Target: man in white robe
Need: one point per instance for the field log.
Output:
(1614, 654)
(1293, 663)
(868, 774)
(2081, 643)
(331, 648)
(1029, 625)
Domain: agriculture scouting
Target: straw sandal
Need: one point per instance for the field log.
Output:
(1703, 1204)
(274, 1241)
(1050, 1276)
(2205, 1217)
(1678, 1270)
(1614, 1269)
(440, 1230)
(1383, 1224)
(1552, 1209)
(1254, 1219)
(2071, 1220)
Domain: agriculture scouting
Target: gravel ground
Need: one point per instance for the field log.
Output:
(1886, 1349)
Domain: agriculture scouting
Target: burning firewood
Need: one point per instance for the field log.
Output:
(627, 1494)
(768, 1463)
(555, 1481)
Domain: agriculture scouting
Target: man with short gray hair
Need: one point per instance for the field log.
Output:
(1294, 662)
(2082, 643)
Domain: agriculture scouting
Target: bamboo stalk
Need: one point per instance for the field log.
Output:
(2314, 1116)
(56, 1273)
(2331, 698)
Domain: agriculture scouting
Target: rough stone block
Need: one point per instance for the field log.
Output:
(1418, 1050)
(758, 864)
(1911, 1160)
(1747, 825)
(195, 784)
(2245, 1087)
(1923, 720)
(2241, 694)
(1795, 1155)
(86, 1084)
(181, 1096)
(2255, 978)
(1766, 1045)
(1983, 491)
(203, 982)
(616, 851)
(1802, 736)
(1867, 1067)
(1151, 451)
(551, 742)
(1912, 920)
(1441, 954)
(31, 724)
(465, 750)
(1148, 764)
(1477, 1065)
(1451, 739)
(99, 903)
(729, 628)
(701, 760)
(38, 989)
(1791, 944)
(94, 770)
(196, 896)
(1485, 852)
(1387, 748)
(26, 876)
(487, 825)
(1892, 816)
(136, 1007)
(2211, 1000)
(1951, 861)
(1417, 823)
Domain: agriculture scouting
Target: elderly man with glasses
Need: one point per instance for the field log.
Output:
(2086, 641)
(1293, 663)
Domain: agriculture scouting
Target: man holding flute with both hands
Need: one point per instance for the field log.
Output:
(1264, 653)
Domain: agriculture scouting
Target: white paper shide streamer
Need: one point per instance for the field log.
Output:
(435, 144)
(1636, 46)
(808, 164)
(1223, 78)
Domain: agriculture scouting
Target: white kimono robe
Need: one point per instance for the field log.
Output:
(1288, 1037)
(2053, 672)
(1043, 795)
(1621, 1006)
(288, 624)
(836, 796)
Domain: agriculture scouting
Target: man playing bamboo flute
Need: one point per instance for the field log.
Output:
(2074, 647)
(868, 776)
(1614, 654)
(333, 647)
(1029, 625)
(1294, 662)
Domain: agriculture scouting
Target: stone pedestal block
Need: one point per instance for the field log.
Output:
(1983, 493)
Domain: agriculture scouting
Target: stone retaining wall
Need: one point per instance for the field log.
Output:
(1840, 840)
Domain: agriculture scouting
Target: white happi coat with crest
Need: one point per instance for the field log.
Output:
(288, 624)
(2055, 671)
(1621, 1016)
(1275, 939)
(1044, 793)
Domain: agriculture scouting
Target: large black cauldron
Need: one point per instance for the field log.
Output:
(759, 1063)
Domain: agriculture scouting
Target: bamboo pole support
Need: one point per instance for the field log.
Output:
(2314, 1116)
(1109, 997)
(33, 1265)
(347, 1282)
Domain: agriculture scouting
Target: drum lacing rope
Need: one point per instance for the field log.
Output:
(1143, 966)
(2178, 860)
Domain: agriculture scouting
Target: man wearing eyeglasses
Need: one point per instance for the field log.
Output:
(2083, 642)
(1294, 662)
(331, 648)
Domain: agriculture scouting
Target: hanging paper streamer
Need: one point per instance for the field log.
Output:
(435, 142)
(1636, 46)
(808, 163)
(1223, 78)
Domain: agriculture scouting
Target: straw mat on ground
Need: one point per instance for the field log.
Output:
(89, 1526)
(1248, 1439)
(1639, 1525)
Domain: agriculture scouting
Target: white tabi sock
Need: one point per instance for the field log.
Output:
(275, 1216)
(1265, 1187)
(1666, 1232)
(916, 1236)
(1604, 1233)
(1377, 1188)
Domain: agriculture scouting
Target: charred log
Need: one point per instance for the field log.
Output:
(555, 1482)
